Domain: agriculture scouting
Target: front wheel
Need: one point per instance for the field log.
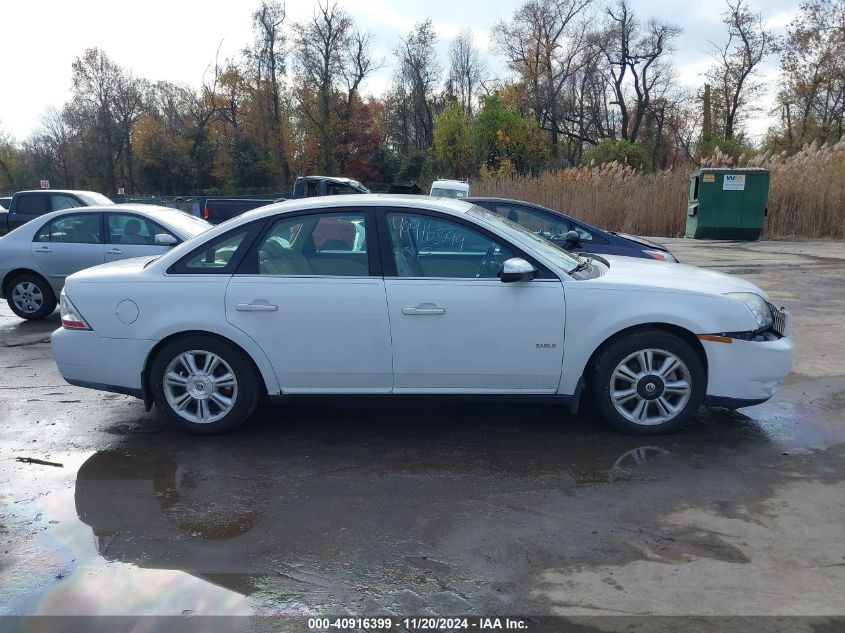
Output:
(30, 297)
(204, 385)
(648, 382)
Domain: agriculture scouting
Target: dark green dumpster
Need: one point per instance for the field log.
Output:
(727, 204)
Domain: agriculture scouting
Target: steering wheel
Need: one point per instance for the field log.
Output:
(485, 259)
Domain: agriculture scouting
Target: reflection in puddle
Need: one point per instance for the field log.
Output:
(55, 570)
(288, 519)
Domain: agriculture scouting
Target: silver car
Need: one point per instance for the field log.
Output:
(36, 258)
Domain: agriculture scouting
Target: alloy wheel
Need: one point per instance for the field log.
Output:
(650, 386)
(200, 386)
(27, 297)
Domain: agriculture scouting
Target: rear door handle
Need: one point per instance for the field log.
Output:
(256, 307)
(114, 251)
(43, 249)
(424, 309)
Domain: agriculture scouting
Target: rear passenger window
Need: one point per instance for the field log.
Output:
(318, 244)
(219, 256)
(83, 228)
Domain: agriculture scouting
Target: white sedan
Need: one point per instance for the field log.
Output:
(380, 294)
(36, 258)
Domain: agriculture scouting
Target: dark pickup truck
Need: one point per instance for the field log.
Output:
(217, 210)
(28, 205)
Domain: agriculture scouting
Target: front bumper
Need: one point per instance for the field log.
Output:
(88, 360)
(746, 372)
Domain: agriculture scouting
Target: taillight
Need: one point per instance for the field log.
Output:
(71, 319)
(205, 211)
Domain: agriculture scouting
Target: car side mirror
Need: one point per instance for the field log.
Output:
(572, 236)
(517, 269)
(165, 239)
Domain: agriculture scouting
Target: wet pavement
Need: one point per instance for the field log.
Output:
(435, 506)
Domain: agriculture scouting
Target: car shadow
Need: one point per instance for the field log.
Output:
(16, 331)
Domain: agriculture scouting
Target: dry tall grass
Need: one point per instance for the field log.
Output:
(806, 196)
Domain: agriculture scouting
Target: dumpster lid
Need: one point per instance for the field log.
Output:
(761, 169)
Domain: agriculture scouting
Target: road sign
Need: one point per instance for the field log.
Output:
(45, 184)
(121, 191)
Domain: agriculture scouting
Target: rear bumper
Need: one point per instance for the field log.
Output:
(745, 373)
(86, 359)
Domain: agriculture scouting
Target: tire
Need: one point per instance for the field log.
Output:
(658, 400)
(30, 297)
(203, 393)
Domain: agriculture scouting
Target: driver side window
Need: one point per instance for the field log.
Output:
(428, 246)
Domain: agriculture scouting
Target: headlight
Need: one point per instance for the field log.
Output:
(758, 306)
(664, 256)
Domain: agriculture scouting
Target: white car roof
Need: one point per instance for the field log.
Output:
(447, 205)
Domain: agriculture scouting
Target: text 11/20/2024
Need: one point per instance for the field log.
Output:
(423, 623)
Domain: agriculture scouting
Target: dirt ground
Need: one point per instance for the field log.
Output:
(407, 507)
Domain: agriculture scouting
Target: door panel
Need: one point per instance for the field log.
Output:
(306, 297)
(462, 335)
(454, 326)
(326, 334)
(69, 243)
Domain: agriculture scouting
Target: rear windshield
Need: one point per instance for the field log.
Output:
(438, 192)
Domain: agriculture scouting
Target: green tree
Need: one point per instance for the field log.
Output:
(452, 141)
(499, 132)
(610, 150)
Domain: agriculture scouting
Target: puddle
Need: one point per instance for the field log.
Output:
(52, 567)
(345, 505)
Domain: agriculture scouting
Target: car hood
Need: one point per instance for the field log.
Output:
(656, 275)
(641, 240)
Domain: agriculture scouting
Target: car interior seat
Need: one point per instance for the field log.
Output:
(280, 260)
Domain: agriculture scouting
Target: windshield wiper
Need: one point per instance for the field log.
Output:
(584, 265)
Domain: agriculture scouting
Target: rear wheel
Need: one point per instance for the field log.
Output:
(31, 297)
(204, 385)
(648, 382)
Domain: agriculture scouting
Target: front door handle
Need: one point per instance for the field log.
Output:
(114, 251)
(43, 249)
(424, 309)
(256, 306)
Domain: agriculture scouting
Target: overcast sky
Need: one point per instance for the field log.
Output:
(177, 40)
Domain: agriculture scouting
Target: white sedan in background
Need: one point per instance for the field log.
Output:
(439, 297)
(36, 258)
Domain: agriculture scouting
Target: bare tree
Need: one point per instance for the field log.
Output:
(635, 57)
(419, 72)
(737, 61)
(266, 60)
(466, 69)
(542, 43)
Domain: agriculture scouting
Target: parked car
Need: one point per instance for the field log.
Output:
(5, 202)
(450, 299)
(28, 205)
(314, 186)
(217, 210)
(36, 258)
(571, 234)
(449, 189)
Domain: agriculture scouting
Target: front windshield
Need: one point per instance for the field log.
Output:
(541, 246)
